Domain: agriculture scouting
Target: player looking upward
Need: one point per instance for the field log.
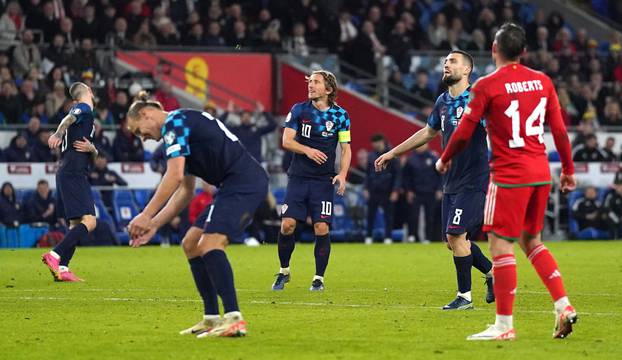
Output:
(312, 130)
(197, 144)
(75, 201)
(516, 102)
(464, 186)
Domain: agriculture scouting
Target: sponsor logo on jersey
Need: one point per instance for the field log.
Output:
(327, 134)
(329, 125)
(169, 137)
(283, 209)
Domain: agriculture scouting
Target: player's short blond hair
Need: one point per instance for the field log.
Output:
(330, 82)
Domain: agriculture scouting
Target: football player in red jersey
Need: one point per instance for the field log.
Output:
(517, 101)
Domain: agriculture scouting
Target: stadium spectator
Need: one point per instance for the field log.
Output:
(57, 52)
(126, 146)
(10, 104)
(101, 175)
(296, 44)
(423, 189)
(200, 201)
(587, 210)
(27, 95)
(196, 36)
(612, 207)
(107, 22)
(214, 36)
(421, 90)
(12, 22)
(381, 189)
(399, 45)
(589, 151)
(40, 151)
(143, 38)
(88, 25)
(66, 30)
(607, 150)
(101, 141)
(347, 31)
(612, 114)
(167, 34)
(18, 150)
(10, 209)
(271, 37)
(249, 132)
(358, 172)
(26, 55)
(165, 96)
(84, 58)
(55, 100)
(40, 207)
(32, 130)
(398, 91)
(366, 49)
(119, 108)
(118, 37)
(44, 20)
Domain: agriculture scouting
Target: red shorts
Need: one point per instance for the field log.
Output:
(510, 211)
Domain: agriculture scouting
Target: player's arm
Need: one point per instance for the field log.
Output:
(180, 199)
(85, 145)
(562, 143)
(290, 143)
(344, 166)
(56, 138)
(170, 183)
(423, 136)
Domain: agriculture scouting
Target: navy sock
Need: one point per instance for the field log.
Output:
(480, 261)
(322, 253)
(286, 246)
(220, 272)
(463, 272)
(66, 247)
(204, 285)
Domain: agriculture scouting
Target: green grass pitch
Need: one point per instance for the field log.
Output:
(380, 302)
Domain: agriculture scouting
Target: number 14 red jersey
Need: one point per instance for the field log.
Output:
(516, 101)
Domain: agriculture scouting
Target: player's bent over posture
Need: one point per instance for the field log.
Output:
(312, 130)
(200, 145)
(516, 102)
(75, 201)
(464, 186)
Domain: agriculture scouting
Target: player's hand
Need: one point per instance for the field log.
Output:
(144, 238)
(139, 225)
(341, 179)
(316, 155)
(55, 140)
(568, 182)
(83, 145)
(383, 160)
(442, 167)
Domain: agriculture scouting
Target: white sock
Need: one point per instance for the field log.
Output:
(561, 304)
(284, 271)
(63, 268)
(317, 277)
(211, 317)
(504, 322)
(233, 314)
(489, 274)
(466, 295)
(54, 254)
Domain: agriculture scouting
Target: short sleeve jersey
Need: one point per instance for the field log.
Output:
(212, 152)
(73, 161)
(515, 101)
(469, 170)
(321, 130)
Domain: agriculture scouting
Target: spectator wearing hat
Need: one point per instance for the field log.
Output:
(612, 207)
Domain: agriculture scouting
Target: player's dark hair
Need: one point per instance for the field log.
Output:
(468, 59)
(77, 89)
(330, 82)
(511, 41)
(377, 137)
(141, 101)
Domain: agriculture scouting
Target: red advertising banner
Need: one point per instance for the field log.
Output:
(248, 75)
(366, 117)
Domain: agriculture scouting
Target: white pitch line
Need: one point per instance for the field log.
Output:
(268, 302)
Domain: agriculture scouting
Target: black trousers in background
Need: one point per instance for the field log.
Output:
(429, 203)
(375, 201)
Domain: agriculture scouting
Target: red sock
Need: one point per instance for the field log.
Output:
(545, 265)
(504, 282)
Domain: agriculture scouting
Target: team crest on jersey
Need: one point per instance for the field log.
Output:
(459, 111)
(76, 111)
(329, 125)
(283, 209)
(169, 137)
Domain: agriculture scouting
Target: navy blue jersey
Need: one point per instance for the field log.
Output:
(73, 161)
(320, 130)
(212, 152)
(469, 169)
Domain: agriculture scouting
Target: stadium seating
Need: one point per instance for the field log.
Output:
(124, 210)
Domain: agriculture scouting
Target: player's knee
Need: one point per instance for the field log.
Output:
(288, 226)
(320, 228)
(190, 241)
(211, 242)
(90, 222)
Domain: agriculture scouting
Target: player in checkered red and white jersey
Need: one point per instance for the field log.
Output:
(516, 102)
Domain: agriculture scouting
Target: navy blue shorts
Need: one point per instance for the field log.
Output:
(309, 197)
(74, 197)
(463, 213)
(234, 205)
